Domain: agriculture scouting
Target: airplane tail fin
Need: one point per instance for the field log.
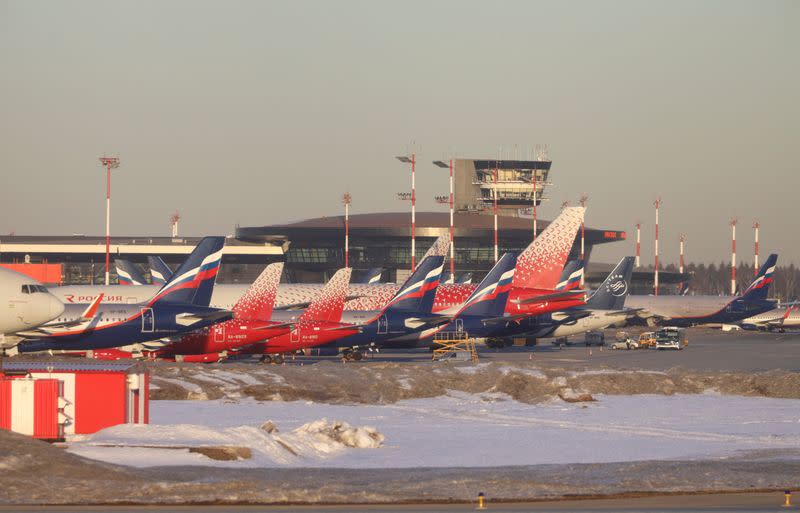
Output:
(193, 281)
(372, 275)
(257, 301)
(571, 275)
(759, 289)
(328, 304)
(612, 292)
(127, 273)
(489, 298)
(540, 265)
(159, 271)
(419, 290)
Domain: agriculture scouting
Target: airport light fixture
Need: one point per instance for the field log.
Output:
(449, 165)
(109, 163)
(413, 161)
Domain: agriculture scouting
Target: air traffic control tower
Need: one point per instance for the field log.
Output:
(475, 183)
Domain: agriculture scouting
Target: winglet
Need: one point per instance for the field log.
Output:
(91, 310)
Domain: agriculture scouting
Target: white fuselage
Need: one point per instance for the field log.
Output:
(774, 319)
(24, 303)
(599, 320)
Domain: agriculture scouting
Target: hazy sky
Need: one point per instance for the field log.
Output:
(263, 112)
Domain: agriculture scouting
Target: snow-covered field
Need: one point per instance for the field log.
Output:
(458, 429)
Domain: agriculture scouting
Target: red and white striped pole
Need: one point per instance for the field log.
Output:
(638, 244)
(413, 212)
(584, 198)
(681, 266)
(733, 257)
(452, 235)
(494, 198)
(109, 163)
(346, 200)
(756, 226)
(655, 277)
(534, 204)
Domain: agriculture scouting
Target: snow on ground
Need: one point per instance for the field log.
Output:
(462, 429)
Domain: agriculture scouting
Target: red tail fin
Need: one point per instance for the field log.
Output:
(540, 265)
(328, 305)
(257, 302)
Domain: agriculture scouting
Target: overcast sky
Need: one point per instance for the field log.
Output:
(263, 112)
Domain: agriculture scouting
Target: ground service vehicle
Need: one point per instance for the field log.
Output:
(671, 338)
(647, 339)
(597, 338)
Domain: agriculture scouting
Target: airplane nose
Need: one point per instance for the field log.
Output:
(56, 307)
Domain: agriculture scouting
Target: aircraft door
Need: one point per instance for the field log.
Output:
(219, 333)
(148, 320)
(383, 325)
(294, 335)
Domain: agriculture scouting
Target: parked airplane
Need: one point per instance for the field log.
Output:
(250, 324)
(605, 307)
(779, 319)
(372, 275)
(127, 273)
(692, 310)
(180, 306)
(24, 302)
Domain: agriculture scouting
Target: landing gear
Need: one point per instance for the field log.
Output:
(275, 359)
(353, 354)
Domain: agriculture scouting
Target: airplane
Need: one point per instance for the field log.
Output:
(179, 307)
(127, 273)
(571, 275)
(25, 303)
(160, 272)
(779, 319)
(372, 275)
(692, 310)
(605, 307)
(250, 323)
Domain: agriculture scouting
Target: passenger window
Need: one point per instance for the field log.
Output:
(25, 289)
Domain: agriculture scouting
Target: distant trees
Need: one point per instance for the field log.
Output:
(715, 279)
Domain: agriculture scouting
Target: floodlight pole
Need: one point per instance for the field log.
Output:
(534, 204)
(110, 163)
(756, 226)
(441, 164)
(346, 200)
(413, 162)
(494, 207)
(638, 244)
(681, 266)
(733, 257)
(655, 277)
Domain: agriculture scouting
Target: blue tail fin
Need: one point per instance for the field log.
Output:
(489, 298)
(571, 275)
(373, 275)
(159, 271)
(419, 290)
(759, 289)
(127, 273)
(193, 282)
(611, 294)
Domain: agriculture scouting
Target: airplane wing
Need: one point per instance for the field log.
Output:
(422, 323)
(347, 327)
(549, 297)
(187, 319)
(289, 325)
(502, 319)
(630, 312)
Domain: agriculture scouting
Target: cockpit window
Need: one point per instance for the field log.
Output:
(33, 289)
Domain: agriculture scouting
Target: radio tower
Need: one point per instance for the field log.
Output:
(638, 244)
(346, 200)
(109, 163)
(413, 162)
(655, 276)
(756, 226)
(174, 218)
(681, 266)
(733, 257)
